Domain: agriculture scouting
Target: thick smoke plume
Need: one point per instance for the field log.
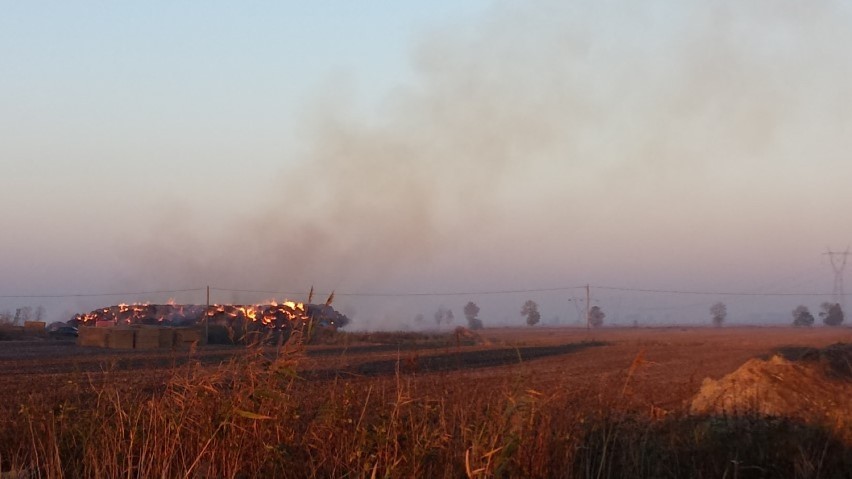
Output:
(590, 124)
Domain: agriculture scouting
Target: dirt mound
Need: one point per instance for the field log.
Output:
(812, 385)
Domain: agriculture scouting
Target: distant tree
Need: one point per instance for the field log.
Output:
(596, 317)
(802, 317)
(530, 310)
(39, 313)
(419, 319)
(6, 317)
(23, 314)
(719, 312)
(831, 314)
(443, 315)
(471, 311)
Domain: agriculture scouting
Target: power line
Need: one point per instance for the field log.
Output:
(258, 291)
(92, 295)
(413, 294)
(427, 294)
(707, 293)
(536, 290)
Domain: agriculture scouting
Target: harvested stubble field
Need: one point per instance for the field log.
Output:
(520, 403)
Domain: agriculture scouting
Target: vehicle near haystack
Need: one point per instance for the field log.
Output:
(63, 332)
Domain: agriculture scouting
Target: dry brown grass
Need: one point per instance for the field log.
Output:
(594, 412)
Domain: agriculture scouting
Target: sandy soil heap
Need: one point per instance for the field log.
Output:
(812, 385)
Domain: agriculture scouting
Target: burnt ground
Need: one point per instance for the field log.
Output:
(64, 356)
(454, 361)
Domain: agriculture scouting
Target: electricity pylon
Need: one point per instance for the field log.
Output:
(838, 264)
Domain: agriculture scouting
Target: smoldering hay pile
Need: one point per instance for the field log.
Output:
(806, 384)
(275, 316)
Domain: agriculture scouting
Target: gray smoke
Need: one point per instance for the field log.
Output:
(548, 131)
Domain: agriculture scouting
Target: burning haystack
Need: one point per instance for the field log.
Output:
(275, 316)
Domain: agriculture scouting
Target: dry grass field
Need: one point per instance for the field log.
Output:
(531, 402)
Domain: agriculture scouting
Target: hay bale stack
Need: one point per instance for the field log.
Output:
(120, 338)
(96, 337)
(186, 337)
(35, 327)
(166, 338)
(147, 338)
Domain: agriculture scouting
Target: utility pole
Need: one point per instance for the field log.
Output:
(588, 302)
(838, 264)
(207, 318)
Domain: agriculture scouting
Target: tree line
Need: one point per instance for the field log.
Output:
(831, 314)
(26, 313)
(529, 312)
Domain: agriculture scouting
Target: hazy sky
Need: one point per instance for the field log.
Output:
(424, 147)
